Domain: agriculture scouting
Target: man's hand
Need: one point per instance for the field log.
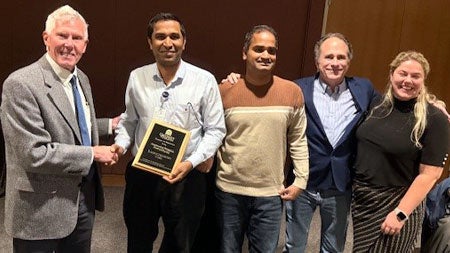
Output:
(117, 149)
(290, 193)
(179, 172)
(232, 78)
(205, 166)
(441, 106)
(105, 155)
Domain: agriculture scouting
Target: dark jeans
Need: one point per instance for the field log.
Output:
(149, 197)
(79, 241)
(207, 238)
(258, 217)
(334, 212)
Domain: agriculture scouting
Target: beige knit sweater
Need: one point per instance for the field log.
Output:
(262, 123)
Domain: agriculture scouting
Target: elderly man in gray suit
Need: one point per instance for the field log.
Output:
(51, 139)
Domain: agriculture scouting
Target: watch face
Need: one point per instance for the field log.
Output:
(401, 216)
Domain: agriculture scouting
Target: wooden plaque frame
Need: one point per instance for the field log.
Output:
(162, 148)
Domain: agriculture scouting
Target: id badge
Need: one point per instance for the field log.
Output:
(160, 113)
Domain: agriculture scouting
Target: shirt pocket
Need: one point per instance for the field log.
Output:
(186, 116)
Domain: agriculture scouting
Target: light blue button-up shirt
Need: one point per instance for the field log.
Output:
(191, 101)
(336, 109)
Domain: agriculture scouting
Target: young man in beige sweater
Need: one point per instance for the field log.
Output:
(265, 121)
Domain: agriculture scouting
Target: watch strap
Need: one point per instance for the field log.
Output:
(401, 216)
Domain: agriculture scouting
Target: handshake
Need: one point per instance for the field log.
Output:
(108, 155)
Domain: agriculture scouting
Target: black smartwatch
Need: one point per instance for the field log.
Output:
(401, 216)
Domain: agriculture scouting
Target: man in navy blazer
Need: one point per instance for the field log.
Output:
(53, 184)
(335, 104)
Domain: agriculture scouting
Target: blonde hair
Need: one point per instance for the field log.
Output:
(420, 107)
(62, 14)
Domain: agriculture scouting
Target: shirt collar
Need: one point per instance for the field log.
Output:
(63, 74)
(326, 89)
(179, 75)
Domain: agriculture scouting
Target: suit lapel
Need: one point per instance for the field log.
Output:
(355, 90)
(59, 97)
(308, 91)
(357, 94)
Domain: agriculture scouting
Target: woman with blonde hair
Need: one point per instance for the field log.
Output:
(402, 148)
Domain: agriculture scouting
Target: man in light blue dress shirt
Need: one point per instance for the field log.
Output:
(183, 95)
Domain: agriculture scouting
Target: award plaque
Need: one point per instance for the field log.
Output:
(162, 148)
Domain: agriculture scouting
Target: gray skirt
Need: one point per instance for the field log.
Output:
(370, 206)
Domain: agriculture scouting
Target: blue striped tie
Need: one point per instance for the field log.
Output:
(80, 113)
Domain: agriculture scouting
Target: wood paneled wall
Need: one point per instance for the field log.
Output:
(118, 43)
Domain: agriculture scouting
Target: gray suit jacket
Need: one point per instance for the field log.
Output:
(45, 161)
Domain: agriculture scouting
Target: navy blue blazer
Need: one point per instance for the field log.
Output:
(331, 168)
(438, 200)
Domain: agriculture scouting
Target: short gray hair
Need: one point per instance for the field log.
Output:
(64, 13)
